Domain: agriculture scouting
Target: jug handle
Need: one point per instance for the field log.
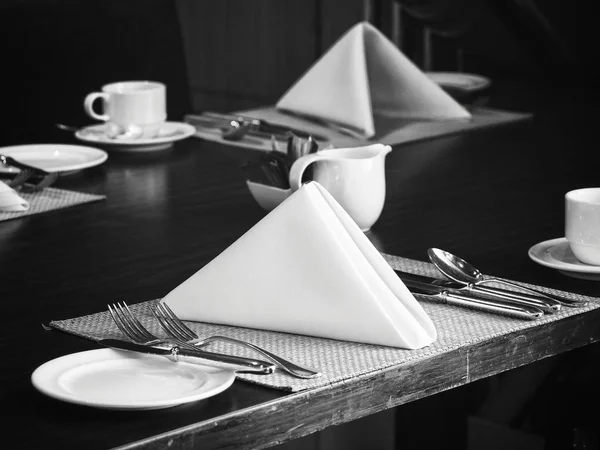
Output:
(300, 165)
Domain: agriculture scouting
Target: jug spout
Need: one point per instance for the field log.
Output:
(378, 149)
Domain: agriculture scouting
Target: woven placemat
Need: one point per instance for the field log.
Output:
(338, 360)
(50, 199)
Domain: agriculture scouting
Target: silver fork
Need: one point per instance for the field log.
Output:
(174, 327)
(134, 330)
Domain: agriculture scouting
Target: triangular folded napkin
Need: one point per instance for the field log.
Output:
(10, 200)
(364, 74)
(306, 268)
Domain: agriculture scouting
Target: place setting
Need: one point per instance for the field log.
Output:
(230, 325)
(27, 173)
(362, 90)
(133, 118)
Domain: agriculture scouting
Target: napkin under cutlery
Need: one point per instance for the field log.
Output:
(10, 200)
(306, 268)
(362, 75)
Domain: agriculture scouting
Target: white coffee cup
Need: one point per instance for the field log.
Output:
(138, 108)
(582, 224)
(355, 177)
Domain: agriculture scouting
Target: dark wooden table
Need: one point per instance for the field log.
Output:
(487, 196)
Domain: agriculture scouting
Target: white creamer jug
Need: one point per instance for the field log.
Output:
(355, 177)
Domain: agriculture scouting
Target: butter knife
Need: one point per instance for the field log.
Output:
(239, 364)
(441, 294)
(547, 305)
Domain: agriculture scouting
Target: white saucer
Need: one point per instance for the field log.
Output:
(54, 157)
(169, 133)
(113, 379)
(467, 82)
(557, 254)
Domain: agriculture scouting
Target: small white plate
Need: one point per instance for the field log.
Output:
(54, 157)
(121, 380)
(557, 254)
(169, 133)
(467, 82)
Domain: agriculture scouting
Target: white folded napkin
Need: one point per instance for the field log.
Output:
(10, 200)
(306, 268)
(364, 74)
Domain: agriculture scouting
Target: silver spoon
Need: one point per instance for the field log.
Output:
(459, 270)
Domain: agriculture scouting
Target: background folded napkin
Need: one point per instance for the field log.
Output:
(362, 75)
(306, 268)
(10, 200)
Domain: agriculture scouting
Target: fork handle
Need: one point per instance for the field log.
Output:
(245, 365)
(288, 366)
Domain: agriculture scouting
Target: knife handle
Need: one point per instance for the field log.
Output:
(242, 365)
(493, 306)
(572, 303)
(546, 304)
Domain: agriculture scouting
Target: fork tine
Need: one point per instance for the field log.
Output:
(173, 324)
(125, 324)
(185, 330)
(167, 324)
(128, 318)
(135, 323)
(121, 324)
(134, 330)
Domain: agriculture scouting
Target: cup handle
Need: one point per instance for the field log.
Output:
(88, 105)
(299, 166)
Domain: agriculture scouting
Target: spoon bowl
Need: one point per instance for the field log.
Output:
(453, 267)
(461, 271)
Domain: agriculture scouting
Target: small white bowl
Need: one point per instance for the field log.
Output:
(268, 197)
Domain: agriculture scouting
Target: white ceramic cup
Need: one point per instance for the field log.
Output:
(138, 108)
(355, 177)
(582, 224)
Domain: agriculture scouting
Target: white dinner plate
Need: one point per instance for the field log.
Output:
(54, 157)
(456, 80)
(121, 380)
(169, 133)
(557, 254)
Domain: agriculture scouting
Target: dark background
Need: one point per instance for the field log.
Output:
(234, 54)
